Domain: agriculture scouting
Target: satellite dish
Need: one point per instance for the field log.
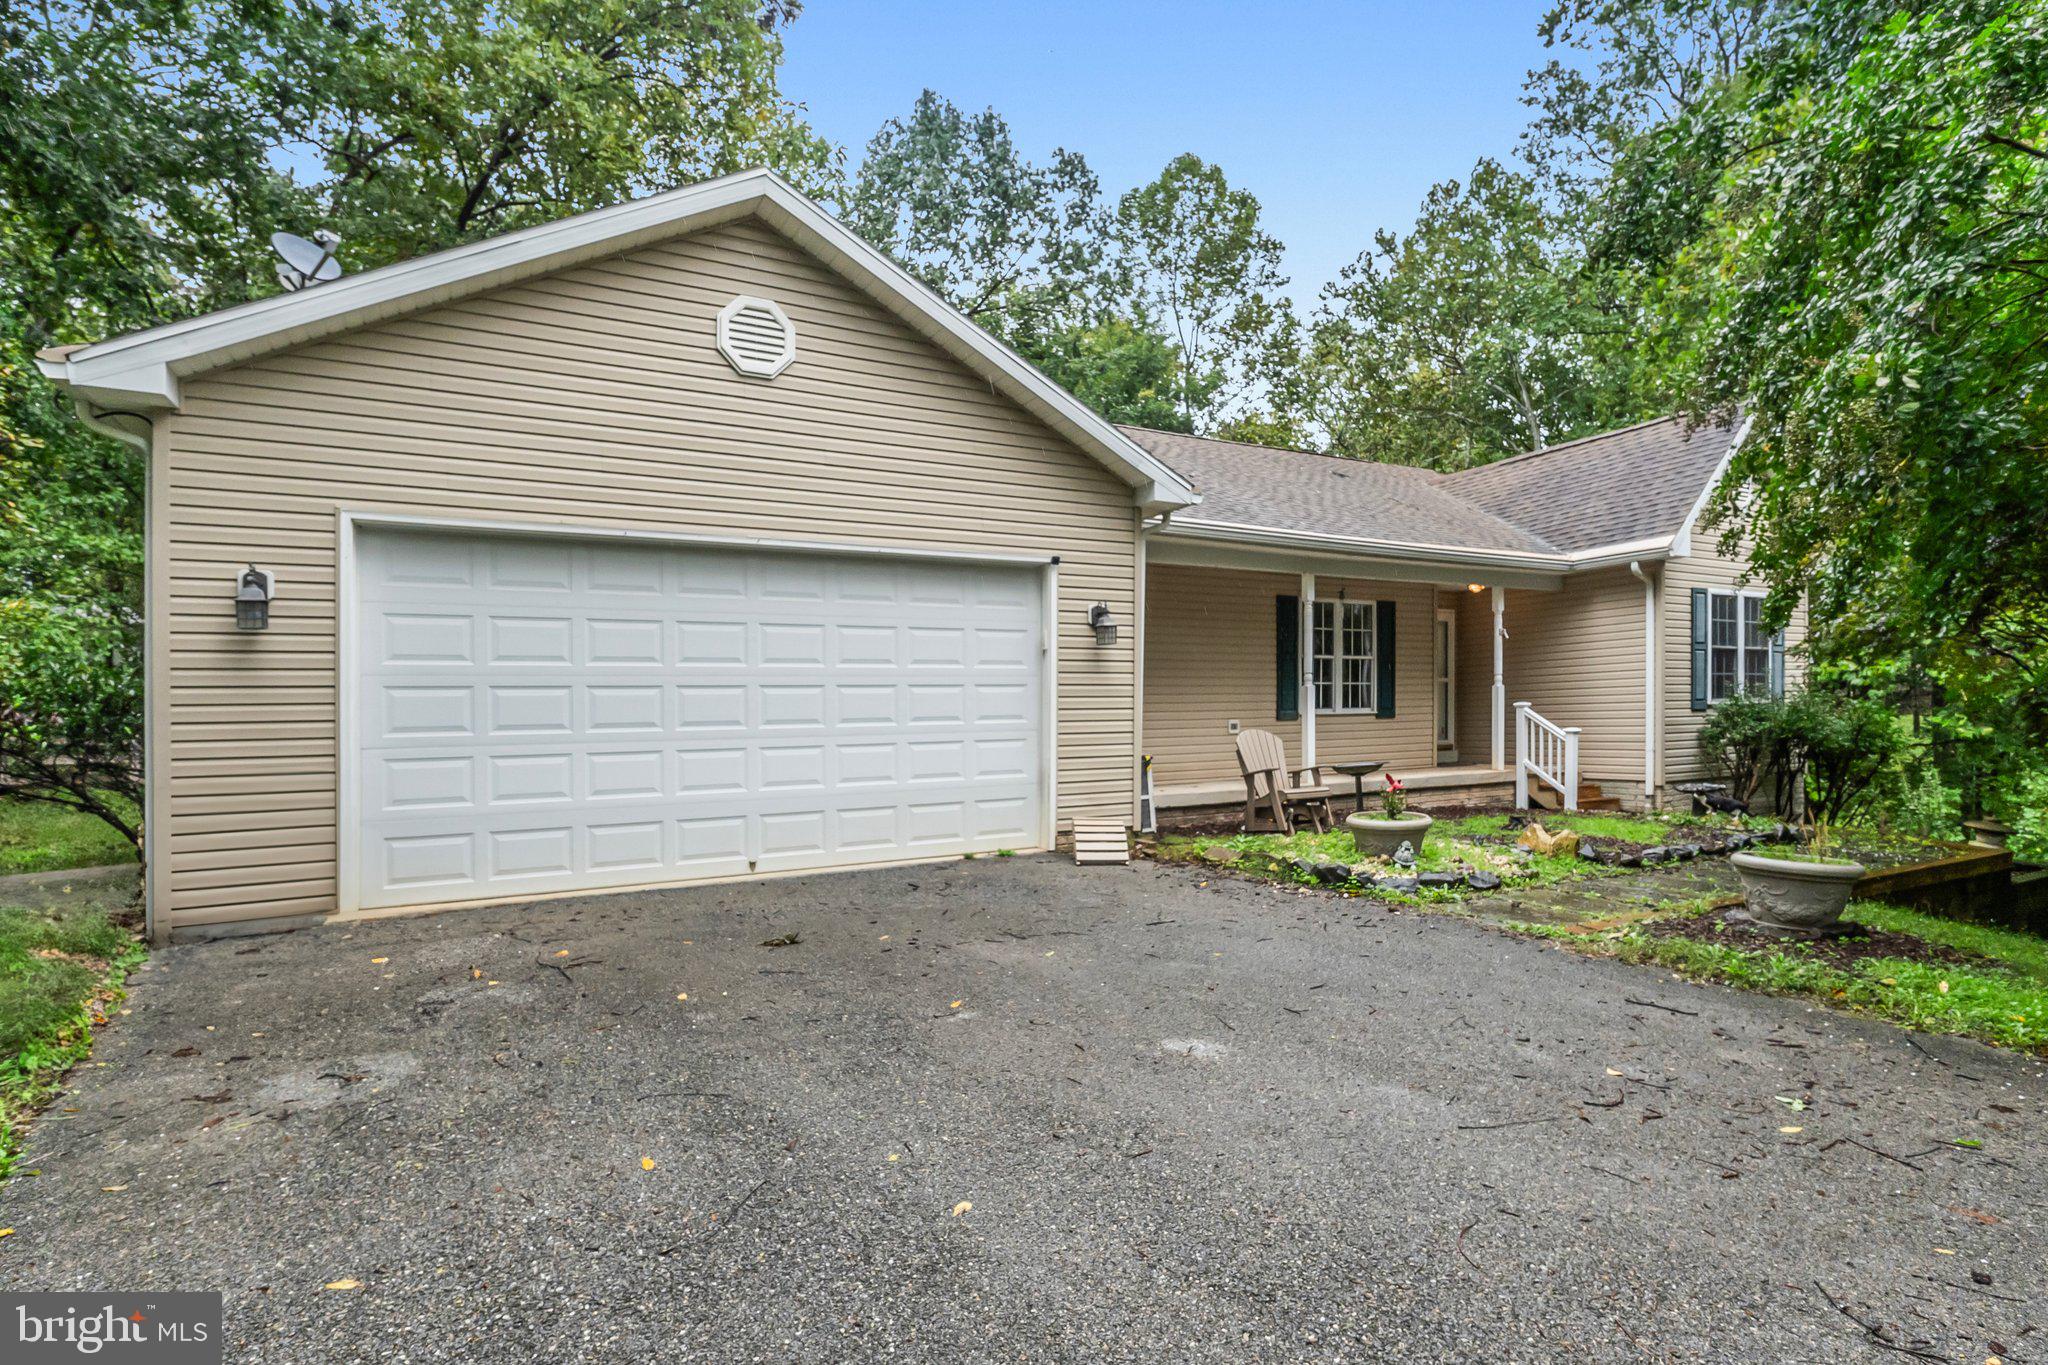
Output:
(301, 262)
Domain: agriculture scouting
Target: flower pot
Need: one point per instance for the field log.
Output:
(1988, 833)
(1790, 895)
(1376, 836)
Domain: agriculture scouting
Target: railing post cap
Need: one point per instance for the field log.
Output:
(1524, 705)
(1571, 729)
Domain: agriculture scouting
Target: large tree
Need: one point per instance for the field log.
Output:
(1477, 335)
(1879, 244)
(1021, 248)
(1203, 266)
(439, 121)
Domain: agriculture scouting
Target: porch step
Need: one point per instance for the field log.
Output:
(1101, 841)
(1547, 797)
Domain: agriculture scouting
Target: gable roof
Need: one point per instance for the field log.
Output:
(143, 369)
(1620, 487)
(1625, 494)
(1266, 486)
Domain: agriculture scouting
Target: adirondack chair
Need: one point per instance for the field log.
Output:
(1272, 792)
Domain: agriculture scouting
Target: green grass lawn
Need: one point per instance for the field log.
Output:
(59, 972)
(37, 837)
(1451, 846)
(2002, 1000)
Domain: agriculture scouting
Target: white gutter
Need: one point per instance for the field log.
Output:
(1649, 679)
(1463, 556)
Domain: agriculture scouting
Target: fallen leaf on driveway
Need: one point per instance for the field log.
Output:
(1791, 1128)
(684, 996)
(646, 1163)
(1976, 1215)
(563, 953)
(343, 1284)
(6, 1232)
(962, 1207)
(788, 940)
(112, 1189)
(379, 961)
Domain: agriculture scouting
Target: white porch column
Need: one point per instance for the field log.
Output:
(1500, 678)
(1307, 661)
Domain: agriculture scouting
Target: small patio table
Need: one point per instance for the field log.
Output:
(1357, 772)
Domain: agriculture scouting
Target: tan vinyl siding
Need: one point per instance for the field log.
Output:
(1209, 660)
(595, 396)
(1705, 567)
(1576, 655)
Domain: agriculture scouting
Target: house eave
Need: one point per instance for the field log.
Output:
(142, 370)
(1453, 560)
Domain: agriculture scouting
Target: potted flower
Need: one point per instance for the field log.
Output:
(1380, 833)
(1796, 890)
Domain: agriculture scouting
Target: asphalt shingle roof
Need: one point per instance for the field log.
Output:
(1293, 490)
(1613, 489)
(1617, 488)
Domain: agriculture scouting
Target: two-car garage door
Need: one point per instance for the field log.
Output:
(535, 714)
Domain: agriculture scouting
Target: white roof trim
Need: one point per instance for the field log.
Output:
(1681, 543)
(143, 369)
(1601, 556)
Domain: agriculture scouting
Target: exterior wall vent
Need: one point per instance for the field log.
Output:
(756, 337)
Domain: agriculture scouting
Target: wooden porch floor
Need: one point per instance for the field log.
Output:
(1231, 791)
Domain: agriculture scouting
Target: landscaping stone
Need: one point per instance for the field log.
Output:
(1439, 879)
(1364, 874)
(1482, 881)
(1218, 855)
(1396, 884)
(1332, 874)
(1653, 856)
(1303, 866)
(1685, 853)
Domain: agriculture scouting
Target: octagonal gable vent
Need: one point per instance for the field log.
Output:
(756, 337)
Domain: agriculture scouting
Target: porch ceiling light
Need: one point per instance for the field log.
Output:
(254, 588)
(1475, 587)
(1103, 622)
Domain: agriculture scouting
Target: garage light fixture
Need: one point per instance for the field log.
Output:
(254, 588)
(1103, 622)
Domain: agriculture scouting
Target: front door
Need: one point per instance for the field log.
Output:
(1446, 687)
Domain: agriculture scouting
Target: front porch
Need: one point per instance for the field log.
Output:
(1388, 663)
(1477, 784)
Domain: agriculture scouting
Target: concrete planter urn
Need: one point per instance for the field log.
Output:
(1795, 895)
(1378, 836)
(1988, 833)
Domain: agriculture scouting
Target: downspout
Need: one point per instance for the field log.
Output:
(1138, 672)
(1635, 566)
(142, 440)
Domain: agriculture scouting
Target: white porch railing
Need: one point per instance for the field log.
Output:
(1551, 752)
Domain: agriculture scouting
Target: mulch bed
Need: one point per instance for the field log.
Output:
(1843, 952)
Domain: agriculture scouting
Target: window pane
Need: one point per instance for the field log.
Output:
(1756, 670)
(1752, 622)
(1722, 674)
(1354, 683)
(1722, 614)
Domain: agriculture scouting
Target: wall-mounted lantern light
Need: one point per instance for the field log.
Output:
(1475, 587)
(1103, 622)
(254, 588)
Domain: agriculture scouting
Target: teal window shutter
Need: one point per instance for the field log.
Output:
(1383, 660)
(1287, 658)
(1699, 649)
(1778, 664)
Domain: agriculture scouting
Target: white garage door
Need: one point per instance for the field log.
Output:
(548, 714)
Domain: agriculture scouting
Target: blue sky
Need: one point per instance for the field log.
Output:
(1338, 116)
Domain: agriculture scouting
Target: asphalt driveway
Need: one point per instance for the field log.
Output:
(1016, 1110)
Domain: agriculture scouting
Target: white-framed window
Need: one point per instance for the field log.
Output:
(1738, 648)
(1342, 656)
